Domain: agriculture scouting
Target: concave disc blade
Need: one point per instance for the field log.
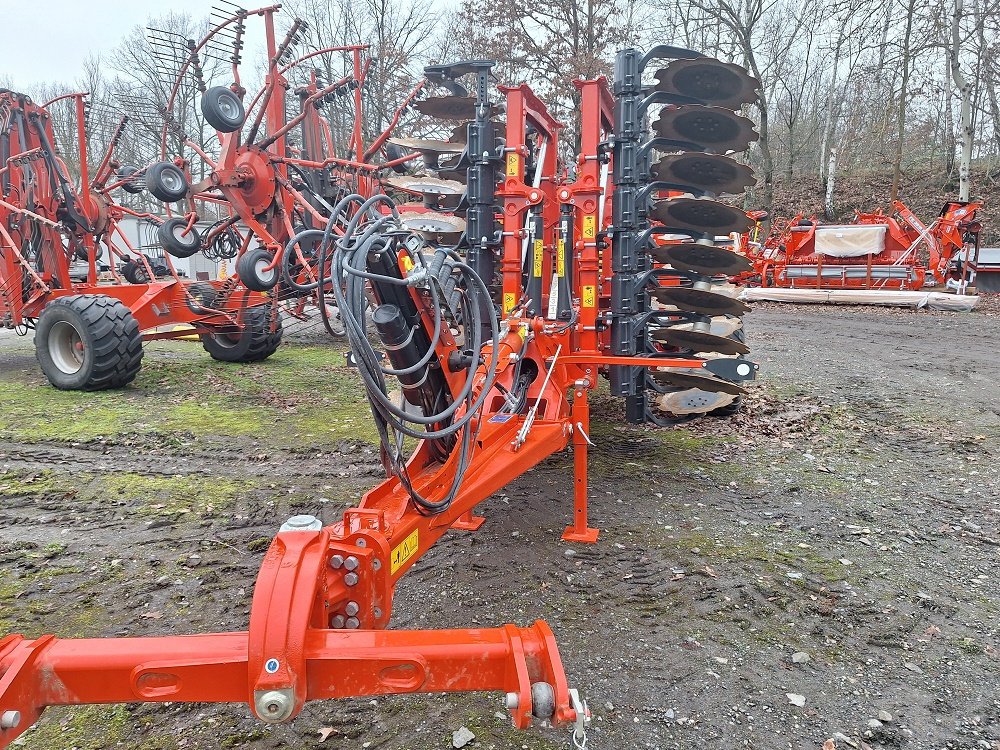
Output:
(699, 300)
(713, 173)
(429, 145)
(707, 259)
(691, 380)
(701, 215)
(693, 401)
(432, 221)
(699, 341)
(714, 128)
(426, 185)
(712, 81)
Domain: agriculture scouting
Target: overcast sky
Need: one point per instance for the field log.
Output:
(48, 40)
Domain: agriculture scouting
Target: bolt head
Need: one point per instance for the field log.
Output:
(352, 608)
(353, 623)
(351, 563)
(337, 622)
(336, 562)
(351, 579)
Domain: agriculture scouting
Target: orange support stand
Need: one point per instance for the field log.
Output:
(469, 521)
(580, 531)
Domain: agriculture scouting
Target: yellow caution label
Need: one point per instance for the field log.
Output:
(407, 263)
(406, 550)
(589, 297)
(536, 261)
(589, 227)
(513, 164)
(509, 302)
(561, 258)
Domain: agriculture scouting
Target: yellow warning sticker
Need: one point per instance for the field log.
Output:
(513, 164)
(536, 262)
(589, 227)
(589, 296)
(407, 263)
(406, 550)
(561, 258)
(509, 302)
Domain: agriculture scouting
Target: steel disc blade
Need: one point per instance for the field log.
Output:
(692, 380)
(699, 300)
(693, 401)
(449, 107)
(706, 259)
(710, 172)
(426, 185)
(429, 145)
(712, 81)
(701, 215)
(431, 221)
(714, 128)
(699, 341)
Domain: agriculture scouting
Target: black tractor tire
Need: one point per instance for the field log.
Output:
(250, 269)
(223, 109)
(172, 238)
(393, 152)
(202, 297)
(88, 342)
(133, 186)
(254, 343)
(166, 181)
(134, 272)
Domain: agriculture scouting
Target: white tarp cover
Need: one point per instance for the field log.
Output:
(851, 241)
(930, 300)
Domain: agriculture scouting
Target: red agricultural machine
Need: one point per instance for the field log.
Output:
(609, 269)
(878, 251)
(54, 238)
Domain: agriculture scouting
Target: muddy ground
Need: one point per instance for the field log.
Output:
(850, 516)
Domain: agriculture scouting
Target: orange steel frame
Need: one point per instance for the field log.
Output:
(311, 581)
(905, 234)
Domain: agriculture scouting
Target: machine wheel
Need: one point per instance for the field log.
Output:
(88, 342)
(251, 270)
(171, 236)
(166, 181)
(223, 110)
(125, 173)
(254, 343)
(134, 272)
(202, 296)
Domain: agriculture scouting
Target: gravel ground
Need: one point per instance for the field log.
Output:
(818, 572)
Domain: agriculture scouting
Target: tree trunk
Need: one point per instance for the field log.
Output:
(897, 163)
(949, 120)
(965, 90)
(831, 173)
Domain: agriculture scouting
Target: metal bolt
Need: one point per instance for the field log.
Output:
(352, 609)
(10, 719)
(274, 705)
(351, 579)
(302, 523)
(361, 543)
(378, 613)
(511, 701)
(353, 623)
(377, 564)
(351, 563)
(336, 561)
(337, 622)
